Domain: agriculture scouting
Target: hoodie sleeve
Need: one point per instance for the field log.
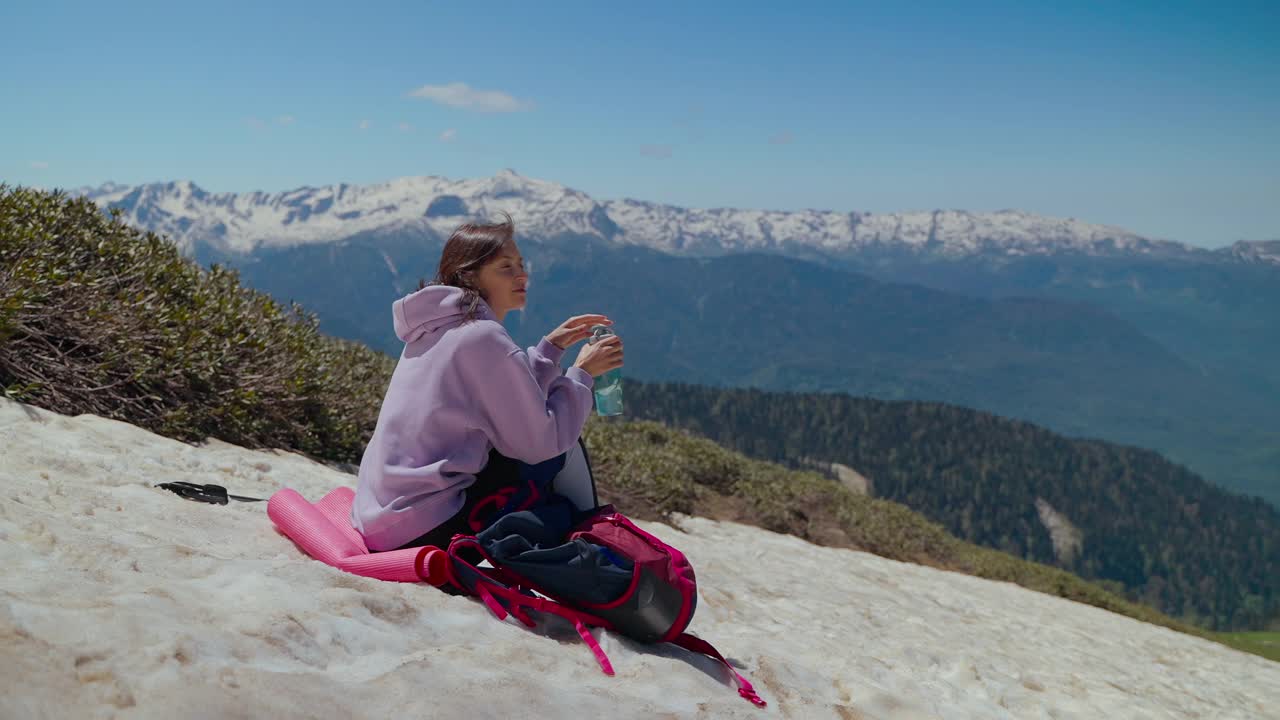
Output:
(521, 420)
(544, 359)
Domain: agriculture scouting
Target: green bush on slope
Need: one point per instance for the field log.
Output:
(98, 317)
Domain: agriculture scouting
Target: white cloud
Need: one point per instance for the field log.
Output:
(781, 138)
(404, 127)
(255, 122)
(39, 165)
(449, 135)
(461, 95)
(364, 125)
(656, 151)
(285, 119)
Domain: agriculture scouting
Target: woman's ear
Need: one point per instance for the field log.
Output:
(467, 279)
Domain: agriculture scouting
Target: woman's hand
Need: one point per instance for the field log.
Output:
(601, 357)
(575, 329)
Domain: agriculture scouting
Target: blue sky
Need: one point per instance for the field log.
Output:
(1163, 118)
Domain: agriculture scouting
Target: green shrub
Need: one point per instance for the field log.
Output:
(98, 317)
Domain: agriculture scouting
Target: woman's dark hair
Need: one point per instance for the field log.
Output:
(468, 249)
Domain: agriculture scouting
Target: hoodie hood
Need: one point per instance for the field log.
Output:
(430, 309)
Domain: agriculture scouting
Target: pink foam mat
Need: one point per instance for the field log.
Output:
(323, 531)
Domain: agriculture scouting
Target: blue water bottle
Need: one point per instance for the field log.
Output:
(608, 387)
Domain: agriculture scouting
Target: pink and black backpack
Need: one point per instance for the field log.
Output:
(594, 569)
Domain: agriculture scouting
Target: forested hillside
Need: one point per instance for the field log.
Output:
(1165, 534)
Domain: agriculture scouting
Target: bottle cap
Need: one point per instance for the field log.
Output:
(600, 331)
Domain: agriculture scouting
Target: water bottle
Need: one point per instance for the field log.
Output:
(608, 387)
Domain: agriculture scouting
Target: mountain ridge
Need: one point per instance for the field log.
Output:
(244, 222)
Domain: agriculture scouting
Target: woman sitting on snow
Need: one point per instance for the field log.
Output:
(467, 412)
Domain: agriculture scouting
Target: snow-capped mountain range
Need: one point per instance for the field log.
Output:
(244, 222)
(1267, 251)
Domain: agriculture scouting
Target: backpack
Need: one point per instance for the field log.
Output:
(593, 568)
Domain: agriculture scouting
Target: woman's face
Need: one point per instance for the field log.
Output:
(502, 281)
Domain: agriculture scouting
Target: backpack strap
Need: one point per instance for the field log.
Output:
(503, 592)
(503, 599)
(696, 644)
(481, 513)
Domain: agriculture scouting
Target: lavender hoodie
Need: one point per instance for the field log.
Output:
(458, 390)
